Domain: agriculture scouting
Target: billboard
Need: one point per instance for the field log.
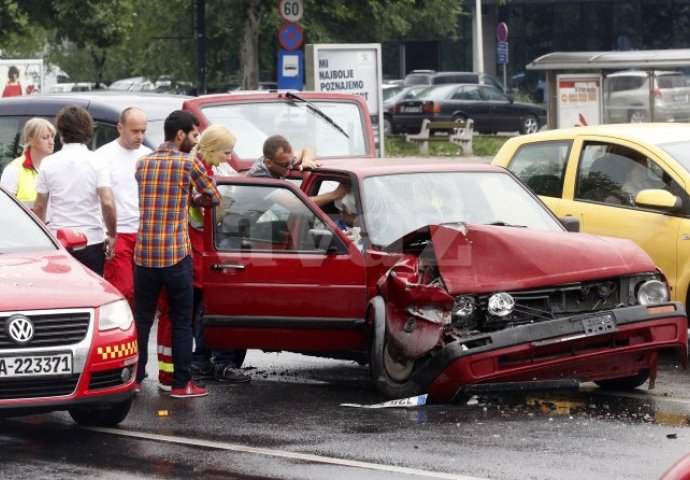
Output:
(579, 100)
(21, 77)
(348, 68)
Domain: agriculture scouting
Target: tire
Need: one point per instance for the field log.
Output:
(388, 126)
(530, 124)
(109, 416)
(637, 116)
(457, 118)
(392, 378)
(625, 383)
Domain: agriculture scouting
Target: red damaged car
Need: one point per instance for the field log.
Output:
(451, 276)
(67, 337)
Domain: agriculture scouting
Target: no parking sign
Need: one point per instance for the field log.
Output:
(290, 36)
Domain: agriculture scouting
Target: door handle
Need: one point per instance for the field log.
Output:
(227, 266)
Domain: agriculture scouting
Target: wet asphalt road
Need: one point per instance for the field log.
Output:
(288, 424)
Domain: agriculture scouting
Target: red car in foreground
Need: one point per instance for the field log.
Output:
(67, 337)
(453, 276)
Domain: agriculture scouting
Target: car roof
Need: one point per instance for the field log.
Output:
(652, 133)
(101, 104)
(368, 167)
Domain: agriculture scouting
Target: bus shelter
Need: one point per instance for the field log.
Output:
(589, 88)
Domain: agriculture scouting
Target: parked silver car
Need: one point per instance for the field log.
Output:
(627, 97)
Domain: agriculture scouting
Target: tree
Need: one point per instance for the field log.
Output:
(249, 48)
(354, 21)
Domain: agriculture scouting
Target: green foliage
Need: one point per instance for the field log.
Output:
(482, 146)
(365, 21)
(99, 40)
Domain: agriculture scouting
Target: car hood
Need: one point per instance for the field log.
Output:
(485, 258)
(31, 281)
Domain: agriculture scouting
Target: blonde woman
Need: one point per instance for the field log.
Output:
(20, 175)
(213, 150)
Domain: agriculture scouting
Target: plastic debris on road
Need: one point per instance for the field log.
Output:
(409, 402)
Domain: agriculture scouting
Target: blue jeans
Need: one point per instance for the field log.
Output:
(203, 355)
(177, 280)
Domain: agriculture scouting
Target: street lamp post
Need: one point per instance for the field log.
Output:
(480, 37)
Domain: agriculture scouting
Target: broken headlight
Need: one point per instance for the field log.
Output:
(501, 304)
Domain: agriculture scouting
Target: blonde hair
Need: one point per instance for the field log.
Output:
(212, 142)
(33, 129)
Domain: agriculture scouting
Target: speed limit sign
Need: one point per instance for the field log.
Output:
(291, 10)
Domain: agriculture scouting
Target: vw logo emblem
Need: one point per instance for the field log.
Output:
(20, 329)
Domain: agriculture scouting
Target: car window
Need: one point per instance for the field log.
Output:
(671, 81)
(542, 166)
(10, 133)
(470, 92)
(10, 137)
(19, 231)
(265, 218)
(614, 174)
(491, 93)
(623, 83)
(103, 133)
(437, 92)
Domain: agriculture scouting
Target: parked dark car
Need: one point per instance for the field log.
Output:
(402, 93)
(105, 107)
(490, 108)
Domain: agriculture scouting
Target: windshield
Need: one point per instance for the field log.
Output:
(394, 205)
(253, 122)
(19, 231)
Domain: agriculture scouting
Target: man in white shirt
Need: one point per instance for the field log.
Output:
(76, 182)
(121, 156)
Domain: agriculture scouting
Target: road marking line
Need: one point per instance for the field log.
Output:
(279, 453)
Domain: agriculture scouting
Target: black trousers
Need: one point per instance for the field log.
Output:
(93, 256)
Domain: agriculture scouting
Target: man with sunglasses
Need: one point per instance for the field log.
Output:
(278, 160)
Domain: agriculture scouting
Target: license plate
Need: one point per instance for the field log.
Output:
(599, 324)
(680, 98)
(36, 365)
(412, 109)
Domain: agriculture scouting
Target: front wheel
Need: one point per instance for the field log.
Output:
(99, 416)
(392, 374)
(625, 383)
(530, 124)
(388, 126)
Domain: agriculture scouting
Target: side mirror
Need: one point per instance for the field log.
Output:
(323, 239)
(659, 199)
(71, 239)
(571, 224)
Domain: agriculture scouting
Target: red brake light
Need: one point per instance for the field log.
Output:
(657, 93)
(430, 107)
(397, 108)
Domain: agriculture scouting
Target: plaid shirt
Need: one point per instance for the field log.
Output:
(166, 178)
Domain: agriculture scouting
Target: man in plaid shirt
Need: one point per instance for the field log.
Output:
(166, 179)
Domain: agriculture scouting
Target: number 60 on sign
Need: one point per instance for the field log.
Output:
(291, 10)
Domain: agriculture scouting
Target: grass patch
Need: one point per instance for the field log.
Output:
(482, 146)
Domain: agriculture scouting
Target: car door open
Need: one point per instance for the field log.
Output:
(276, 275)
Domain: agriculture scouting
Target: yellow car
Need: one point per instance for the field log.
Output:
(630, 181)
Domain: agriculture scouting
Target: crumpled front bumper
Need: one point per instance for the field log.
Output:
(597, 346)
